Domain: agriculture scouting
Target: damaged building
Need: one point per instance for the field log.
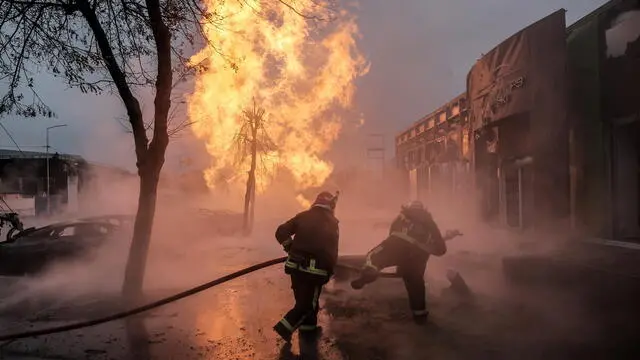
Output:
(517, 107)
(434, 152)
(549, 128)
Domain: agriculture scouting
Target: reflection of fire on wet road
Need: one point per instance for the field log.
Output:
(236, 321)
(222, 318)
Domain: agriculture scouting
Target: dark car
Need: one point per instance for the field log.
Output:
(32, 250)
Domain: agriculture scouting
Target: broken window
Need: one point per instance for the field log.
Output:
(455, 110)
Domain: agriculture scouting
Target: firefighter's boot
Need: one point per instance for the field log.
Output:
(368, 275)
(421, 318)
(282, 330)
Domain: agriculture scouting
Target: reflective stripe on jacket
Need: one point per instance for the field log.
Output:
(311, 269)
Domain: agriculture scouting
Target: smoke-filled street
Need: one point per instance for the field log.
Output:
(234, 320)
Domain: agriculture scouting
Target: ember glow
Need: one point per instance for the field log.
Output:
(300, 71)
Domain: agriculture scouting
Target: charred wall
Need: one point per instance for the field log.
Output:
(591, 146)
(523, 78)
(604, 69)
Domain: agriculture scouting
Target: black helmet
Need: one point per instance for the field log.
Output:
(414, 205)
(327, 200)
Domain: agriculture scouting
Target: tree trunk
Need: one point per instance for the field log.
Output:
(132, 288)
(247, 204)
(136, 263)
(250, 197)
(254, 159)
(252, 210)
(250, 194)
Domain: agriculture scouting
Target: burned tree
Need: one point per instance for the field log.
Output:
(252, 142)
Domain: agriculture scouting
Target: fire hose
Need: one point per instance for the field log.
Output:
(155, 304)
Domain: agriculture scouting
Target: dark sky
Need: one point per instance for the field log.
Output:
(420, 52)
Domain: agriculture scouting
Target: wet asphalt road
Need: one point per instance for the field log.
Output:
(234, 320)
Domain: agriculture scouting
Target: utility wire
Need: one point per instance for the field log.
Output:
(11, 137)
(22, 153)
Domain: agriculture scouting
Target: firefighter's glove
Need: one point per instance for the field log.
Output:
(286, 245)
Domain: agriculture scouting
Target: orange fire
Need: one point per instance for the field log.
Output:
(301, 72)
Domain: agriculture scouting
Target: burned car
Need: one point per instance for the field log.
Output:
(31, 250)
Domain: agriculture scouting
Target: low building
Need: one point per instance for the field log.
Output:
(23, 182)
(23, 179)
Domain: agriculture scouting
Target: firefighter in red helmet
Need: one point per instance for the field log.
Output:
(413, 237)
(311, 240)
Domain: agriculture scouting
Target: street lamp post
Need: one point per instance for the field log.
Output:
(48, 178)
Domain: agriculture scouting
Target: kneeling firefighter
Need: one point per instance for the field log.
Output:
(311, 240)
(413, 237)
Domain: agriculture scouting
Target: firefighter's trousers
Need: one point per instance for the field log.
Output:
(411, 263)
(306, 291)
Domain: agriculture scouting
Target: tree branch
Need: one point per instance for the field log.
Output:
(164, 84)
(130, 102)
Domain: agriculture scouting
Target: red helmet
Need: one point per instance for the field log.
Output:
(327, 200)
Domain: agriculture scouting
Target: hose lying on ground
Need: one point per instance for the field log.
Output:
(155, 304)
(143, 308)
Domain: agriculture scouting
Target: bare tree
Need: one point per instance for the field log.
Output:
(252, 142)
(104, 45)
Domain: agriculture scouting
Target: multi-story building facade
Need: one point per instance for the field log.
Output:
(435, 151)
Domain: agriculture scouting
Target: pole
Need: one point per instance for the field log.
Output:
(48, 169)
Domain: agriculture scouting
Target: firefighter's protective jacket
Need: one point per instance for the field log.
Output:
(418, 227)
(315, 235)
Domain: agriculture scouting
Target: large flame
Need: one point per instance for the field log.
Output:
(301, 72)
